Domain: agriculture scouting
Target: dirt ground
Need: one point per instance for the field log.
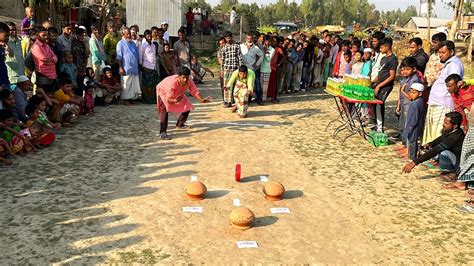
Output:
(110, 191)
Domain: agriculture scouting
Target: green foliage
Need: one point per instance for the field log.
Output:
(398, 16)
(312, 13)
(201, 3)
(266, 28)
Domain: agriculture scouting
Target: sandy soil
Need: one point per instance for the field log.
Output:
(109, 191)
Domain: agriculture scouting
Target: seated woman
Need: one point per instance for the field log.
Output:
(15, 134)
(198, 70)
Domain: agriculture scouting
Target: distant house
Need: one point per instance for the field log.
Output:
(467, 22)
(421, 25)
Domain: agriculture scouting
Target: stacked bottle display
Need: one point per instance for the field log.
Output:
(334, 86)
(377, 139)
(357, 87)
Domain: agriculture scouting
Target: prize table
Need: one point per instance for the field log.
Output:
(350, 117)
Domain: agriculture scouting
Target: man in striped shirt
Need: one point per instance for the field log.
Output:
(231, 56)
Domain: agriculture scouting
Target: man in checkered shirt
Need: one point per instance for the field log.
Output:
(231, 59)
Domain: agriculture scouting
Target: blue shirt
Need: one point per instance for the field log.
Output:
(127, 52)
(409, 81)
(415, 120)
(367, 68)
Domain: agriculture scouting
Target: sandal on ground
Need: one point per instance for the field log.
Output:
(165, 136)
(466, 208)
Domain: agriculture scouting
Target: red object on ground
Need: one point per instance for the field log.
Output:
(48, 139)
(237, 172)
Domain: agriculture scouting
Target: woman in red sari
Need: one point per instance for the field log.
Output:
(277, 60)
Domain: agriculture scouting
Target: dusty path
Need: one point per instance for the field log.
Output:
(110, 191)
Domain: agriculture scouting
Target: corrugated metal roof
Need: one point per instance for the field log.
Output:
(422, 22)
(148, 13)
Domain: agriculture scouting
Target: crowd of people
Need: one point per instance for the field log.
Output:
(51, 77)
(48, 79)
(433, 108)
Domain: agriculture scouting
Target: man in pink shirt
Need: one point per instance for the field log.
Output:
(45, 62)
(172, 98)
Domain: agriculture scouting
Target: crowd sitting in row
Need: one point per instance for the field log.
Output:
(47, 79)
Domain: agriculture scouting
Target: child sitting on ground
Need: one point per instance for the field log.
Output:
(36, 111)
(15, 134)
(109, 88)
(414, 120)
(89, 100)
(168, 58)
(198, 70)
(68, 69)
(69, 106)
(357, 64)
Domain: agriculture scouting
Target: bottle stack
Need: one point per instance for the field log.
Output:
(334, 86)
(357, 87)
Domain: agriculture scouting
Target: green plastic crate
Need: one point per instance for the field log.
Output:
(377, 139)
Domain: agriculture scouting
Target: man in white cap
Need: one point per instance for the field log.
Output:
(20, 91)
(164, 26)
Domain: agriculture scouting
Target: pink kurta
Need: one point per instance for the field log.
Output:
(170, 89)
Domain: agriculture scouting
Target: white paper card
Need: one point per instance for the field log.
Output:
(280, 210)
(247, 244)
(192, 209)
(194, 178)
(236, 202)
(263, 178)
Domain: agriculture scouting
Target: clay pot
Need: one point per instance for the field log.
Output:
(273, 191)
(242, 218)
(195, 190)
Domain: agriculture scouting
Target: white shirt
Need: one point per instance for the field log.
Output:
(166, 36)
(333, 53)
(249, 56)
(233, 16)
(147, 53)
(376, 68)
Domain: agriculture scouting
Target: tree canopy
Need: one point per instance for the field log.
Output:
(318, 12)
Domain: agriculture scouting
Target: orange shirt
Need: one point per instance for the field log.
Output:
(63, 97)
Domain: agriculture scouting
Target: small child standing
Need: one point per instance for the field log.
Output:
(358, 64)
(68, 69)
(408, 71)
(368, 63)
(168, 58)
(348, 67)
(415, 120)
(28, 23)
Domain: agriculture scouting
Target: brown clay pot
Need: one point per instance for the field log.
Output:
(242, 218)
(273, 191)
(195, 190)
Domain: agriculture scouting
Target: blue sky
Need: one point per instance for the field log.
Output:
(441, 9)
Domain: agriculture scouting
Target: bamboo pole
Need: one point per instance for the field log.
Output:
(469, 50)
(429, 22)
(457, 15)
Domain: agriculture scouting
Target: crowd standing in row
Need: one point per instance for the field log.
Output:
(434, 104)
